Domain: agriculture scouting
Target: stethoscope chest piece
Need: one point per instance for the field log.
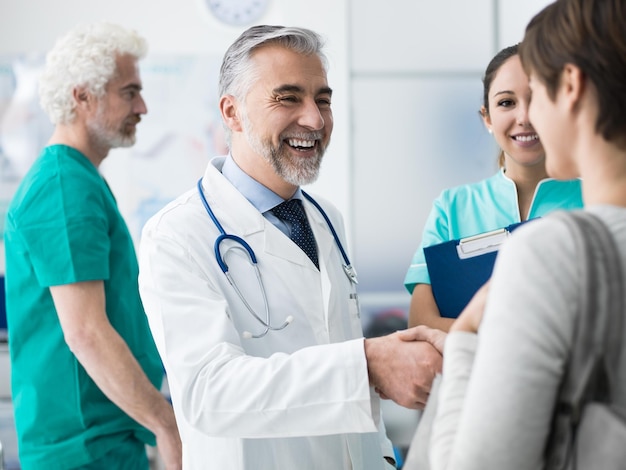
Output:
(351, 273)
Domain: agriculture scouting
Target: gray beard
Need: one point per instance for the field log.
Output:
(294, 170)
(105, 138)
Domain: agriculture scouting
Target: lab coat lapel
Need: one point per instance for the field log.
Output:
(312, 281)
(279, 245)
(233, 210)
(325, 243)
(239, 217)
(323, 237)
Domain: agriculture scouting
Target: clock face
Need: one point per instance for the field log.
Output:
(237, 12)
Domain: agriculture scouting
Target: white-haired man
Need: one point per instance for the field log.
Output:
(85, 370)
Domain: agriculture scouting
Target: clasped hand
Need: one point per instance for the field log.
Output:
(403, 365)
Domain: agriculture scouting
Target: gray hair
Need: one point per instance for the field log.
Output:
(237, 73)
(84, 57)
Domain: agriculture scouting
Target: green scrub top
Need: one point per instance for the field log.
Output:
(484, 206)
(63, 226)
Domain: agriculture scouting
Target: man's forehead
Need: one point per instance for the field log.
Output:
(270, 55)
(126, 72)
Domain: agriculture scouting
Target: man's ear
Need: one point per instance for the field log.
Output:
(82, 98)
(229, 109)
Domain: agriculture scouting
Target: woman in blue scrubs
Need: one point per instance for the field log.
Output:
(521, 190)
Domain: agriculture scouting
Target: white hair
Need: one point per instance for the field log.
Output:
(84, 57)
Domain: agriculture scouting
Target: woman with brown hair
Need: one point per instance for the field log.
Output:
(506, 354)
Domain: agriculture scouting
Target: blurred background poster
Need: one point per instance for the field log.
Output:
(175, 140)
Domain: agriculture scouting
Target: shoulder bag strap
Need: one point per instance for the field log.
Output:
(590, 371)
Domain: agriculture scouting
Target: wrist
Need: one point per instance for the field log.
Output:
(370, 346)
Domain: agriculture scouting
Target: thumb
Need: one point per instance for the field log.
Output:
(416, 333)
(423, 333)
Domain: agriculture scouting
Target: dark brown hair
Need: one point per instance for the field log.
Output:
(590, 34)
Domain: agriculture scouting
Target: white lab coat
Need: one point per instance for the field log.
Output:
(298, 398)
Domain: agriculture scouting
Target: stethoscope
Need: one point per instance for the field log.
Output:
(243, 246)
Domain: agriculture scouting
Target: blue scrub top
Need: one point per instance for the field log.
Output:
(480, 207)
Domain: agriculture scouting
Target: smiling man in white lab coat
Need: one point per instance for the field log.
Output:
(298, 387)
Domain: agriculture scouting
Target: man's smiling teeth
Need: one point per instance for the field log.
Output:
(301, 143)
(526, 138)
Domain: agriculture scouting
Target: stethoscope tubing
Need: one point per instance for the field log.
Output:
(244, 246)
(330, 226)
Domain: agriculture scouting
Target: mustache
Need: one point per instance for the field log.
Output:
(315, 135)
(136, 119)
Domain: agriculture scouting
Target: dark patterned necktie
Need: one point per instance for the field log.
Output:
(292, 211)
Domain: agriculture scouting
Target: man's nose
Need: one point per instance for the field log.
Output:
(311, 116)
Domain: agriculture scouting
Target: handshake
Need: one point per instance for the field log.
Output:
(403, 365)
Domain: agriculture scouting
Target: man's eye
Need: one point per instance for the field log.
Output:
(130, 93)
(288, 99)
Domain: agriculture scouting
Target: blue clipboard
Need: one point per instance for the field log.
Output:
(458, 268)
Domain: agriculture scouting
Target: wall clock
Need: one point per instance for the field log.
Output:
(237, 12)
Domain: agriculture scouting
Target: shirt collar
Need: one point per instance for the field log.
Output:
(261, 197)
